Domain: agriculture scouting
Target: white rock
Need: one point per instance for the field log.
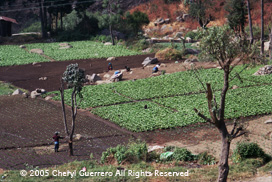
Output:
(155, 147)
(37, 51)
(111, 59)
(18, 92)
(268, 121)
(107, 76)
(108, 43)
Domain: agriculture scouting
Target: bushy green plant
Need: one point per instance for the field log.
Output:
(133, 152)
(169, 148)
(206, 159)
(192, 35)
(246, 150)
(101, 38)
(34, 27)
(182, 154)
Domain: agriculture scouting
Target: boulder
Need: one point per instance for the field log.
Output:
(107, 43)
(147, 50)
(48, 97)
(159, 21)
(92, 78)
(188, 40)
(22, 46)
(18, 92)
(179, 19)
(155, 147)
(77, 137)
(179, 34)
(185, 16)
(111, 59)
(266, 46)
(37, 51)
(66, 47)
(64, 44)
(99, 82)
(266, 70)
(149, 60)
(106, 76)
(37, 93)
(43, 78)
(167, 20)
(268, 121)
(235, 87)
(191, 51)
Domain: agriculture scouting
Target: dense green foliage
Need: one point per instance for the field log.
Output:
(178, 111)
(82, 50)
(182, 154)
(136, 20)
(14, 55)
(173, 98)
(246, 150)
(237, 14)
(134, 152)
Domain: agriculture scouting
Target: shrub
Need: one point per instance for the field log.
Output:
(101, 38)
(192, 35)
(34, 27)
(206, 159)
(133, 153)
(169, 148)
(182, 154)
(169, 54)
(246, 150)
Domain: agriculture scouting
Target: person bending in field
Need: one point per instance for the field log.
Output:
(156, 68)
(56, 138)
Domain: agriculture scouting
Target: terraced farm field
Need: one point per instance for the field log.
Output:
(14, 55)
(168, 101)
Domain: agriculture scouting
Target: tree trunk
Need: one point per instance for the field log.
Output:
(63, 108)
(74, 113)
(250, 22)
(270, 44)
(223, 163)
(45, 17)
(42, 20)
(61, 22)
(111, 33)
(262, 30)
(56, 23)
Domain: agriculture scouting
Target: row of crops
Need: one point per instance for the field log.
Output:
(167, 101)
(179, 83)
(14, 55)
(133, 116)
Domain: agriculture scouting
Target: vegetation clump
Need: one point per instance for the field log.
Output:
(169, 54)
(245, 150)
(132, 153)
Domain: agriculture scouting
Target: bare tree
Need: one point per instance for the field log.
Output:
(220, 44)
(74, 77)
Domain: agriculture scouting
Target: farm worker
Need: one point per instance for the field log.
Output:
(156, 68)
(110, 67)
(56, 138)
(117, 72)
(127, 68)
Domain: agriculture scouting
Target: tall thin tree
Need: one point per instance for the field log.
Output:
(262, 27)
(250, 22)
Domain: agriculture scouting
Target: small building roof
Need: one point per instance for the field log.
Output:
(8, 19)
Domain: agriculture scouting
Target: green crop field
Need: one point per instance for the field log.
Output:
(82, 50)
(178, 111)
(14, 55)
(170, 99)
(180, 83)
